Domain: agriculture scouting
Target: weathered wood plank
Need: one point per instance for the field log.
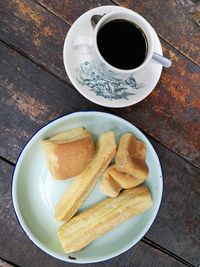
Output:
(176, 227)
(16, 247)
(70, 10)
(173, 21)
(30, 97)
(32, 29)
(170, 114)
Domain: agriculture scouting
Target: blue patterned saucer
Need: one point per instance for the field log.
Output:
(106, 84)
(105, 87)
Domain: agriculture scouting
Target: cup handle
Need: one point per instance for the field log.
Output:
(83, 44)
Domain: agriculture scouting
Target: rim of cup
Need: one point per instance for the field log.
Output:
(143, 25)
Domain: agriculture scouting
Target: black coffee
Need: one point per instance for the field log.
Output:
(122, 44)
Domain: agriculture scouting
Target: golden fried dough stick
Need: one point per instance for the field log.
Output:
(103, 217)
(82, 184)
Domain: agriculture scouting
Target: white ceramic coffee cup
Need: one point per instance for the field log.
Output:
(89, 44)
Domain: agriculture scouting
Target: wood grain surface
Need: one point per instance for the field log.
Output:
(31, 97)
(177, 224)
(173, 21)
(70, 10)
(170, 114)
(35, 31)
(16, 247)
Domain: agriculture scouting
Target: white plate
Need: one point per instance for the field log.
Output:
(35, 192)
(93, 87)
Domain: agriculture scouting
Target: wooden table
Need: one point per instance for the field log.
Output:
(34, 89)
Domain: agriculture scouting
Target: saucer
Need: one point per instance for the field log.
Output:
(102, 88)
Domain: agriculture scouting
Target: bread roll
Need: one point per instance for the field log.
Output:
(69, 153)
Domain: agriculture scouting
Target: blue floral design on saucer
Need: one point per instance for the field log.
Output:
(103, 82)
